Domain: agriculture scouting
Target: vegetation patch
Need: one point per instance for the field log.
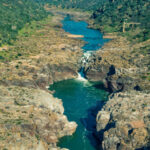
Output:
(129, 17)
(15, 14)
(17, 50)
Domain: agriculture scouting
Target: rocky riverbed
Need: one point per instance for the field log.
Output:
(31, 118)
(123, 122)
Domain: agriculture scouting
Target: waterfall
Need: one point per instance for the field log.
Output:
(85, 57)
(81, 75)
(84, 61)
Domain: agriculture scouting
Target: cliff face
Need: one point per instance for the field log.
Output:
(124, 121)
(31, 119)
(120, 65)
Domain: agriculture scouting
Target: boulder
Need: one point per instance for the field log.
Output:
(102, 120)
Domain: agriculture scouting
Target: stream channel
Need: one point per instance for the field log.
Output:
(81, 99)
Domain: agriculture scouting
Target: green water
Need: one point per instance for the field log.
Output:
(81, 101)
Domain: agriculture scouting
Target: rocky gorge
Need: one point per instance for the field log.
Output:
(118, 66)
(35, 117)
(123, 122)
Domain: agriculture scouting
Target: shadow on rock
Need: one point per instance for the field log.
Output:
(90, 124)
(100, 85)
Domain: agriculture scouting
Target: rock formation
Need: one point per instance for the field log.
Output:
(123, 123)
(117, 65)
(31, 119)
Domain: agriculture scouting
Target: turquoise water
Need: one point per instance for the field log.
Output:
(93, 38)
(81, 99)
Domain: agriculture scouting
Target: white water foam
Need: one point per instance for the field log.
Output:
(47, 87)
(84, 138)
(88, 54)
(85, 57)
(81, 78)
(84, 60)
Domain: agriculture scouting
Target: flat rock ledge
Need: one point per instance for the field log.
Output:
(124, 122)
(31, 119)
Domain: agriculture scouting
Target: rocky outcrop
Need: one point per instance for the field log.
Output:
(116, 65)
(102, 120)
(31, 119)
(124, 121)
(41, 71)
(44, 58)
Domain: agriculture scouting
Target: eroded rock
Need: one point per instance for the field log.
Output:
(102, 120)
(118, 67)
(128, 127)
(31, 119)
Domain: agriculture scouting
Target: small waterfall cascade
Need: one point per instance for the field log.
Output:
(84, 61)
(81, 76)
(79, 96)
(85, 57)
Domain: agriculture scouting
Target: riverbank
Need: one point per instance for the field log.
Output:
(31, 119)
(49, 55)
(119, 65)
(36, 60)
(46, 56)
(123, 122)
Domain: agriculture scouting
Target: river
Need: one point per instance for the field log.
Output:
(81, 99)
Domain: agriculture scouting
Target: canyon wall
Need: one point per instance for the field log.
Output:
(123, 122)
